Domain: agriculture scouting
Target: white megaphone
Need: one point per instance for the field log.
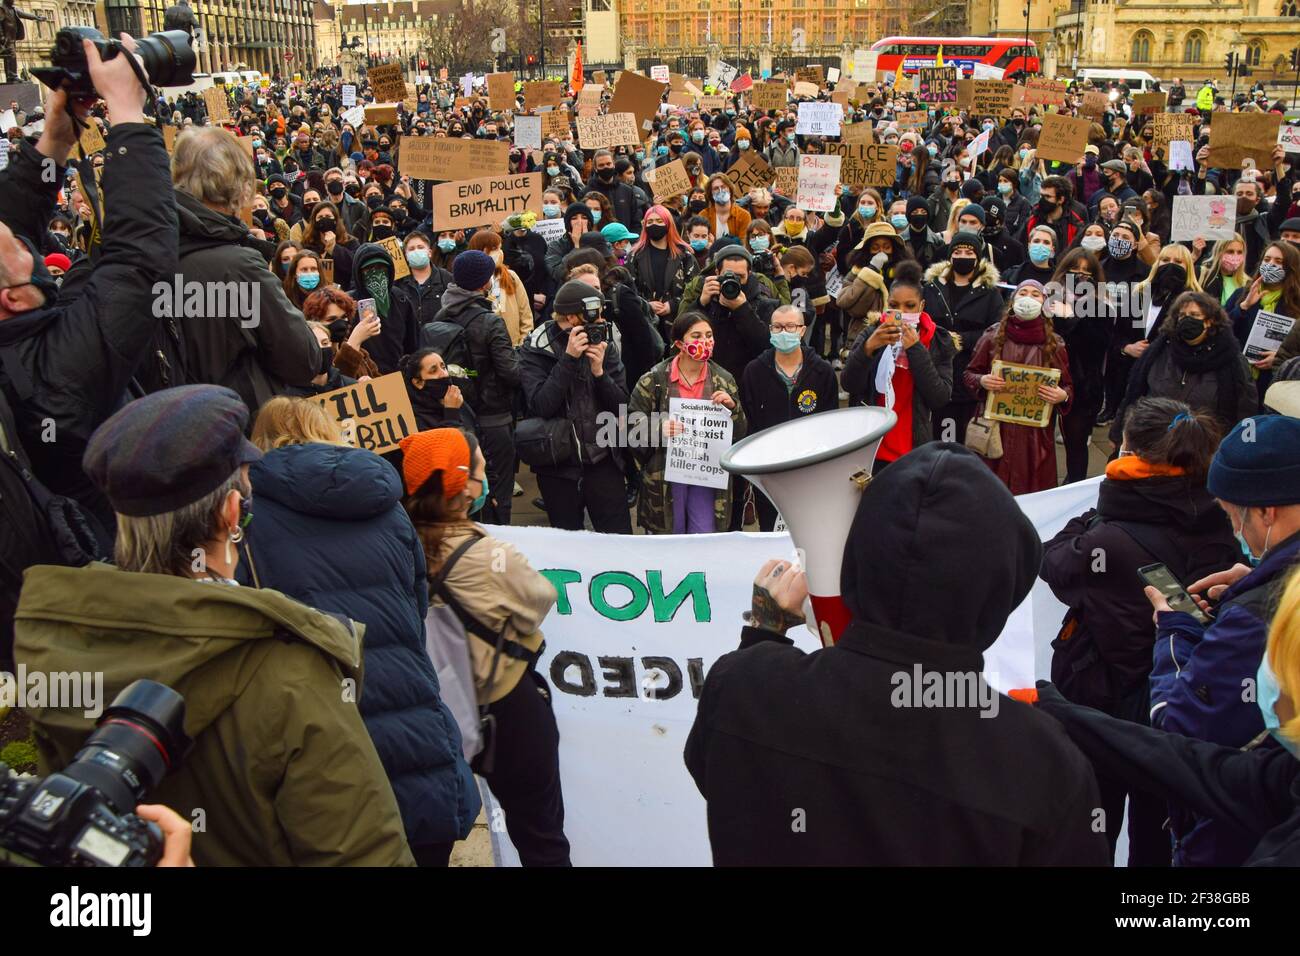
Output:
(814, 470)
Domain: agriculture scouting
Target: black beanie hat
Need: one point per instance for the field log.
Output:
(578, 209)
(971, 239)
(972, 209)
(917, 202)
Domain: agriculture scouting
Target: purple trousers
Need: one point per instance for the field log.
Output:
(693, 509)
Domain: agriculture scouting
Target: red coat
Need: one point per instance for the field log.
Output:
(1028, 461)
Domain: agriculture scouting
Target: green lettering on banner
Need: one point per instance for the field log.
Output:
(629, 611)
(561, 578)
(666, 606)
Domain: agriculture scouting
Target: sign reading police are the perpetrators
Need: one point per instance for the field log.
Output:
(375, 415)
(485, 201)
(695, 456)
(607, 131)
(386, 83)
(818, 177)
(1019, 403)
(865, 164)
(443, 159)
(937, 84)
(668, 180)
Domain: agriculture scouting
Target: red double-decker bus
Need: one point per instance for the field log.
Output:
(1009, 54)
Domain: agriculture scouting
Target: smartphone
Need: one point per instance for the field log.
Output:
(1162, 579)
(366, 310)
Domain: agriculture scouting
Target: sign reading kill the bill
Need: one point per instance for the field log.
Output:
(485, 201)
(386, 83)
(1019, 403)
(375, 415)
(607, 131)
(865, 164)
(937, 84)
(437, 158)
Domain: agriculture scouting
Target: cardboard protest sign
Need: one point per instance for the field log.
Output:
(1095, 104)
(1288, 136)
(677, 81)
(991, 97)
(214, 97)
(857, 133)
(1145, 104)
(326, 271)
(445, 159)
(965, 93)
(1063, 138)
(681, 101)
(375, 415)
(786, 180)
(810, 74)
(668, 180)
(588, 101)
(819, 119)
(92, 140)
(695, 456)
(818, 177)
(485, 201)
(555, 124)
(751, 171)
(841, 97)
(543, 93)
(393, 246)
(378, 115)
(660, 73)
(1238, 136)
(1042, 90)
(1019, 404)
(1267, 334)
(805, 90)
(767, 96)
(937, 84)
(528, 132)
(169, 138)
(638, 95)
(864, 65)
(865, 164)
(610, 130)
(386, 83)
(1167, 127)
(599, 77)
(501, 91)
(714, 103)
(915, 119)
(1206, 217)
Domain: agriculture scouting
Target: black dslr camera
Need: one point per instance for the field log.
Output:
(168, 59)
(84, 815)
(764, 263)
(592, 306)
(729, 285)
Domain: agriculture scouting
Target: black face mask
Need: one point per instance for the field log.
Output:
(656, 232)
(436, 388)
(279, 193)
(918, 223)
(307, 207)
(338, 330)
(605, 175)
(695, 205)
(326, 360)
(1045, 208)
(352, 189)
(325, 224)
(399, 215)
(1170, 277)
(335, 187)
(290, 167)
(1189, 328)
(374, 202)
(381, 232)
(963, 267)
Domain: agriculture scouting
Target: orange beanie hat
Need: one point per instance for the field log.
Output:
(439, 449)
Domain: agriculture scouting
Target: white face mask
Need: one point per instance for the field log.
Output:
(1027, 307)
(1093, 243)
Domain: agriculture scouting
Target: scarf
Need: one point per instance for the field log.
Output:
(1033, 332)
(377, 286)
(894, 391)
(1215, 352)
(1133, 468)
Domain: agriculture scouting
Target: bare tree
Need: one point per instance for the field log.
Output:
(460, 37)
(526, 38)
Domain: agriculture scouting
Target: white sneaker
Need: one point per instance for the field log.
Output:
(518, 490)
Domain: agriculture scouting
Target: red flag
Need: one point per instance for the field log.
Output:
(576, 81)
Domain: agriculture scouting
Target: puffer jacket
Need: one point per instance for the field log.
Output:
(979, 310)
(329, 530)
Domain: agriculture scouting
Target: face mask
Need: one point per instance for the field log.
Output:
(963, 267)
(257, 143)
(879, 260)
(446, 245)
(697, 136)
(352, 189)
(785, 342)
(699, 245)
(1004, 187)
(477, 504)
(722, 197)
(307, 207)
(695, 205)
(790, 137)
(1024, 153)
(700, 349)
(381, 232)
(792, 228)
(418, 258)
(550, 210)
(918, 223)
(1119, 247)
(933, 150)
(1093, 243)
(326, 360)
(595, 217)
(1038, 254)
(1026, 307)
(1267, 693)
(656, 232)
(335, 188)
(661, 150)
(1170, 276)
(278, 192)
(760, 243)
(867, 210)
(898, 221)
(41, 277)
(1240, 535)
(1231, 261)
(1271, 274)
(308, 280)
(640, 155)
(605, 175)
(1090, 161)
(374, 202)
(964, 161)
(742, 144)
(324, 225)
(1189, 328)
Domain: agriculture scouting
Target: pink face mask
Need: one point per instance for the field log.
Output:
(699, 349)
(1232, 261)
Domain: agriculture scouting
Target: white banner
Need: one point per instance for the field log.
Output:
(819, 119)
(639, 623)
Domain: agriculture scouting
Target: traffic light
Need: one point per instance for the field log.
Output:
(1230, 62)
(532, 59)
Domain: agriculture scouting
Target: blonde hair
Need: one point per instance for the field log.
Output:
(1213, 266)
(1283, 650)
(172, 542)
(210, 166)
(1184, 257)
(293, 421)
(957, 206)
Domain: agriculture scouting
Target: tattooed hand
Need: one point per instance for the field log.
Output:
(779, 592)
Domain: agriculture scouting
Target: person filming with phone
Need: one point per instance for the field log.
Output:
(1201, 671)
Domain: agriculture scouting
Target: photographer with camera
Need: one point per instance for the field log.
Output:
(65, 365)
(738, 306)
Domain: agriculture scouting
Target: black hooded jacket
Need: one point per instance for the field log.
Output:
(399, 330)
(939, 555)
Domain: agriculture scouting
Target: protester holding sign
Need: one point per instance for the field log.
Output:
(1275, 288)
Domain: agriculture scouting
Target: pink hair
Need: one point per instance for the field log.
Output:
(676, 245)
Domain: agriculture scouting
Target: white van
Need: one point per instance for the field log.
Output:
(1138, 81)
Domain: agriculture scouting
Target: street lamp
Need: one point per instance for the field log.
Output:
(1025, 52)
(1078, 37)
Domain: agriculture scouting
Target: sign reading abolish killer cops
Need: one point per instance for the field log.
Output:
(485, 201)
(375, 415)
(695, 456)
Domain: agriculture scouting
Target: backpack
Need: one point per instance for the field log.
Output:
(448, 628)
(450, 339)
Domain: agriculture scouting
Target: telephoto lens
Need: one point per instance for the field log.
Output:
(729, 285)
(168, 59)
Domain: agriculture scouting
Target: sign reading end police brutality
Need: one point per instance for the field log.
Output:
(695, 456)
(485, 201)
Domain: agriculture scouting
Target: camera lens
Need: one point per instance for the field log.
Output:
(140, 737)
(168, 58)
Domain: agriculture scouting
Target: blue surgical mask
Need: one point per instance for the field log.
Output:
(553, 170)
(661, 150)
(1267, 693)
(1004, 187)
(1024, 152)
(1039, 253)
(742, 144)
(1239, 533)
(550, 210)
(419, 258)
(898, 221)
(697, 136)
(446, 245)
(640, 155)
(595, 217)
(308, 280)
(932, 149)
(868, 210)
(760, 243)
(785, 341)
(722, 197)
(699, 245)
(477, 505)
(790, 137)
